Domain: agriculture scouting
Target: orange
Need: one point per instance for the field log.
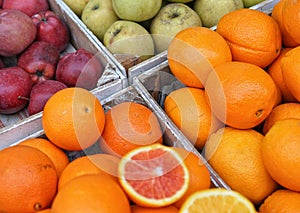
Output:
(217, 200)
(140, 209)
(291, 18)
(28, 179)
(253, 36)
(281, 112)
(290, 71)
(129, 125)
(241, 95)
(188, 109)
(76, 122)
(91, 193)
(45, 211)
(91, 164)
(193, 52)
(274, 71)
(198, 172)
(236, 156)
(57, 155)
(287, 40)
(153, 175)
(278, 99)
(282, 200)
(280, 153)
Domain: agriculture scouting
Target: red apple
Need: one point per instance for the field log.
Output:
(17, 32)
(15, 87)
(52, 29)
(80, 68)
(29, 7)
(39, 60)
(41, 92)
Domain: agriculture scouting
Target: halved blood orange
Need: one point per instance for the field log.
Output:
(153, 175)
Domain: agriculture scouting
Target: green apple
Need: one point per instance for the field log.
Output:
(76, 6)
(210, 11)
(250, 3)
(147, 23)
(136, 10)
(181, 1)
(171, 19)
(98, 15)
(129, 38)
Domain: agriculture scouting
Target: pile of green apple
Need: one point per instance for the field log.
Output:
(146, 27)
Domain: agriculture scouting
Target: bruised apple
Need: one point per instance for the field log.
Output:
(39, 60)
(17, 32)
(80, 68)
(41, 92)
(15, 87)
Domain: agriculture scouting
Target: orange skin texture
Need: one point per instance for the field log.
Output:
(194, 52)
(241, 95)
(252, 36)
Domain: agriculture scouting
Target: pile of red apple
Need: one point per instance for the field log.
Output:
(32, 68)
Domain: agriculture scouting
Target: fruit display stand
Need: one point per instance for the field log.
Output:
(112, 79)
(132, 66)
(134, 93)
(123, 62)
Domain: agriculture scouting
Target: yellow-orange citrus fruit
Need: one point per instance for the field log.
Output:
(280, 153)
(217, 200)
(193, 53)
(91, 193)
(153, 175)
(241, 95)
(56, 154)
(140, 209)
(253, 36)
(291, 18)
(188, 108)
(281, 112)
(287, 40)
(290, 71)
(235, 155)
(199, 174)
(28, 179)
(73, 119)
(101, 163)
(129, 125)
(275, 72)
(282, 200)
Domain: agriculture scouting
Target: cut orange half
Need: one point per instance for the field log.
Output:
(217, 200)
(153, 175)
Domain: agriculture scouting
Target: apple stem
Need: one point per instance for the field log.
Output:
(24, 98)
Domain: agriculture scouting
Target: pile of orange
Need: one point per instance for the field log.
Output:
(255, 96)
(240, 108)
(38, 176)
